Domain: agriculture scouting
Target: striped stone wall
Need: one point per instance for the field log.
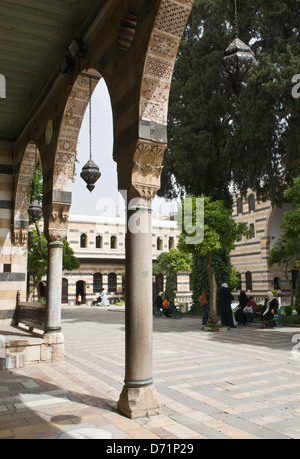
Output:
(251, 255)
(13, 257)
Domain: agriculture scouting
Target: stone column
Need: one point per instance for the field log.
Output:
(56, 233)
(139, 397)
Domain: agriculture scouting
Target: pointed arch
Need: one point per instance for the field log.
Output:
(162, 50)
(68, 135)
(24, 178)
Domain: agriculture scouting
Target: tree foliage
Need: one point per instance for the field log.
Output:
(215, 139)
(38, 245)
(221, 232)
(286, 251)
(173, 260)
(38, 257)
(170, 263)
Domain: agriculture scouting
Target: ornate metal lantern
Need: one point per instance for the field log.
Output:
(90, 172)
(239, 62)
(35, 211)
(238, 65)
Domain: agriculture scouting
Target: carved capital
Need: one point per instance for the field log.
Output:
(58, 222)
(146, 170)
(20, 236)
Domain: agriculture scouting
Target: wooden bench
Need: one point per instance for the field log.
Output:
(31, 314)
(175, 312)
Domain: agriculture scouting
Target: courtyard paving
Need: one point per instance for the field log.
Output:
(241, 384)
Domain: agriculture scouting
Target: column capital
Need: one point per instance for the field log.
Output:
(143, 170)
(58, 222)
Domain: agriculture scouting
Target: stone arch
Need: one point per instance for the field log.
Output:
(78, 100)
(22, 192)
(68, 135)
(162, 50)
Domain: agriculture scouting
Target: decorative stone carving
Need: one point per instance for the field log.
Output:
(58, 222)
(20, 236)
(146, 170)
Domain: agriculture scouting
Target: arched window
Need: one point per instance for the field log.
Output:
(83, 241)
(171, 243)
(99, 242)
(239, 204)
(159, 244)
(251, 202)
(113, 242)
(112, 282)
(97, 282)
(248, 281)
(65, 291)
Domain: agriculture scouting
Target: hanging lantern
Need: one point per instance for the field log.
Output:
(239, 62)
(35, 211)
(90, 172)
(238, 65)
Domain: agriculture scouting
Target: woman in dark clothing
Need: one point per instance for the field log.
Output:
(240, 317)
(270, 308)
(225, 299)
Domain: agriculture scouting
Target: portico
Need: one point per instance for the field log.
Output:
(133, 46)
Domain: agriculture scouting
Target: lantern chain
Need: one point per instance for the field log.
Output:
(90, 121)
(236, 25)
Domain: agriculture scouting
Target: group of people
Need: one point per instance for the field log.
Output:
(164, 305)
(245, 310)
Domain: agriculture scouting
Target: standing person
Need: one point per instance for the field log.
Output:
(204, 306)
(225, 299)
(104, 300)
(158, 304)
(243, 300)
(79, 299)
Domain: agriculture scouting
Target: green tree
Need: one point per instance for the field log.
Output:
(170, 263)
(224, 271)
(286, 251)
(38, 259)
(38, 246)
(215, 139)
(221, 231)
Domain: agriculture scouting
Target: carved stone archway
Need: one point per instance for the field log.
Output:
(22, 194)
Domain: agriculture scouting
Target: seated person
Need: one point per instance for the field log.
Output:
(250, 309)
(270, 308)
(167, 307)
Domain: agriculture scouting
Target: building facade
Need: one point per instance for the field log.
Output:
(250, 256)
(99, 245)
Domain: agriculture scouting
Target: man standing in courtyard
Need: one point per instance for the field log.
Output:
(225, 299)
(204, 306)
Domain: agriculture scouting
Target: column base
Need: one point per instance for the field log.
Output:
(139, 402)
(53, 349)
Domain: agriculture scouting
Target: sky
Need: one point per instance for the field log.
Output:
(105, 199)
